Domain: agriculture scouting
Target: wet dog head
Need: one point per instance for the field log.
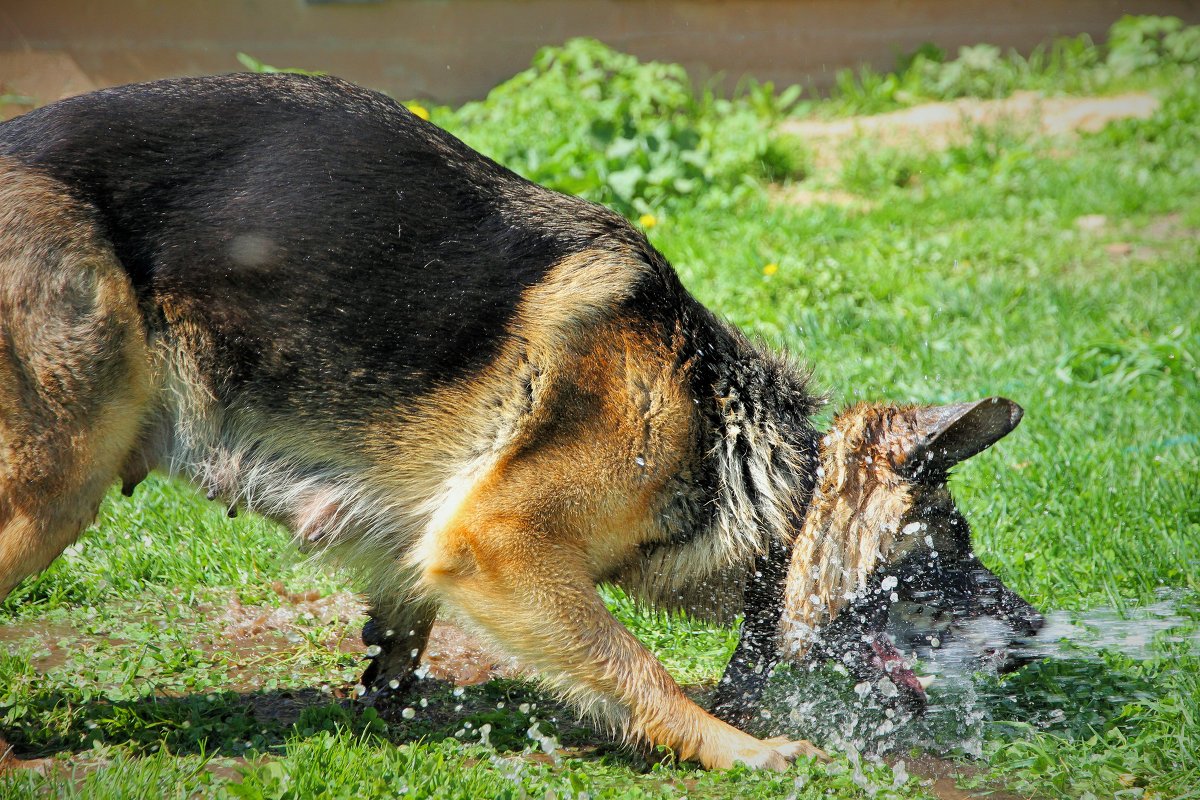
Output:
(884, 563)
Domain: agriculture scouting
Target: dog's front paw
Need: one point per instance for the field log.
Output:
(792, 749)
(773, 754)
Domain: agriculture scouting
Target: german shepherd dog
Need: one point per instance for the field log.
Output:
(485, 396)
(883, 566)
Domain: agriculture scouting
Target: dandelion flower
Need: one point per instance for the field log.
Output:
(770, 269)
(419, 110)
(647, 220)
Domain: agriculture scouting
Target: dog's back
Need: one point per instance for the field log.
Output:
(270, 206)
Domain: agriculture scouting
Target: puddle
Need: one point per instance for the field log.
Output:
(46, 644)
(247, 622)
(456, 656)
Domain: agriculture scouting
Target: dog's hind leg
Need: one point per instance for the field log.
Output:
(395, 636)
(74, 371)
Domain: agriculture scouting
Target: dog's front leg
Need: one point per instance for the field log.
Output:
(395, 636)
(757, 650)
(534, 596)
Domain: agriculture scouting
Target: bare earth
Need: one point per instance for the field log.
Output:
(940, 125)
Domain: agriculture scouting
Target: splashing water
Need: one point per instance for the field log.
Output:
(822, 703)
(1139, 632)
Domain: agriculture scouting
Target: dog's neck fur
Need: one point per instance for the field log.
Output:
(760, 449)
(757, 462)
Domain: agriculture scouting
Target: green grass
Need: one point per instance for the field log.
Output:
(966, 275)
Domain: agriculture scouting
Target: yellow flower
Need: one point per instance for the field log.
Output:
(647, 220)
(770, 269)
(419, 110)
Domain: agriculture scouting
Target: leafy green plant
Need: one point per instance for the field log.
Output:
(1136, 43)
(591, 121)
(786, 156)
(254, 65)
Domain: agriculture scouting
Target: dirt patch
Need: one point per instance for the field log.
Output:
(47, 641)
(940, 778)
(453, 655)
(1138, 243)
(1169, 228)
(9, 761)
(939, 125)
(249, 635)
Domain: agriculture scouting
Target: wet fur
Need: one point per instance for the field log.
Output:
(480, 394)
(882, 508)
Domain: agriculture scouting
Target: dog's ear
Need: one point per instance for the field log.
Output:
(946, 435)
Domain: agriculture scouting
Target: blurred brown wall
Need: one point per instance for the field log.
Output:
(453, 50)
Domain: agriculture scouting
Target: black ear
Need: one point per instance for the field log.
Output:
(946, 435)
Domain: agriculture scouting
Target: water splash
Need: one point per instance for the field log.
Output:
(1137, 632)
(824, 704)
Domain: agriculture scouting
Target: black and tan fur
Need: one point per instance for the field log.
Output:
(485, 396)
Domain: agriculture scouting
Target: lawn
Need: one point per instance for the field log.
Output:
(175, 652)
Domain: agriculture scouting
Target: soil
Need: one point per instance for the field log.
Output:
(939, 125)
(940, 778)
(453, 655)
(9, 760)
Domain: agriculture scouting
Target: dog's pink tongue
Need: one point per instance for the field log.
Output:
(888, 660)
